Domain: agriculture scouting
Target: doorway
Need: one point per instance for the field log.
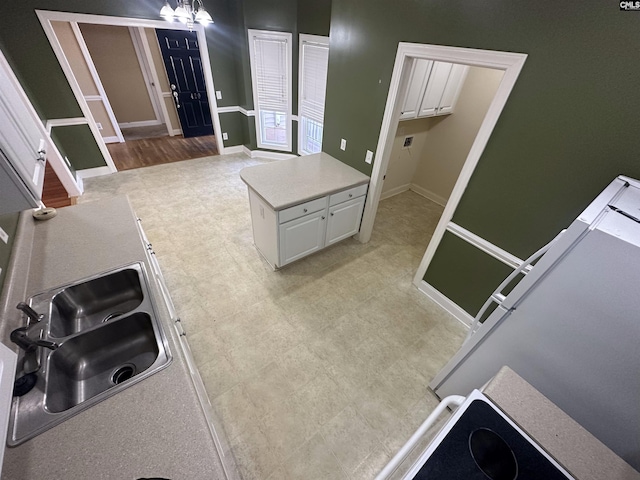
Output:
(155, 154)
(510, 63)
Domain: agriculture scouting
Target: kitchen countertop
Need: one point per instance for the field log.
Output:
(296, 180)
(584, 456)
(155, 428)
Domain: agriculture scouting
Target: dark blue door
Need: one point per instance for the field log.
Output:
(186, 77)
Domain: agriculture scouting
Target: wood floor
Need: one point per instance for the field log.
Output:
(155, 151)
(53, 192)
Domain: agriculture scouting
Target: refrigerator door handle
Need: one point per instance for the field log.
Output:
(497, 296)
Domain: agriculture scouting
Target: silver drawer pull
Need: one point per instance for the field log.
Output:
(304, 210)
(350, 195)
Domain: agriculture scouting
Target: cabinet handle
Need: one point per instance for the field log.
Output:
(350, 195)
(332, 214)
(304, 210)
(323, 216)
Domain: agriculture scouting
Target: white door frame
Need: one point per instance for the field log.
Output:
(141, 43)
(511, 63)
(46, 17)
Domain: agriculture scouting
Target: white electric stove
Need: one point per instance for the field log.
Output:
(478, 442)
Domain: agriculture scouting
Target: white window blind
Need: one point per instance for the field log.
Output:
(270, 54)
(271, 73)
(312, 77)
(314, 58)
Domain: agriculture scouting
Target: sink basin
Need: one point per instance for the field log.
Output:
(94, 362)
(90, 303)
(109, 338)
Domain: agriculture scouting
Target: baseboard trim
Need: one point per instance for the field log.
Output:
(111, 139)
(234, 149)
(93, 172)
(176, 131)
(395, 191)
(449, 305)
(141, 123)
(428, 194)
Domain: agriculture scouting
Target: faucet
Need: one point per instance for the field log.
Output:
(20, 336)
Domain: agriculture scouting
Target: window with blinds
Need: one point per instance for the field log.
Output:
(313, 64)
(270, 57)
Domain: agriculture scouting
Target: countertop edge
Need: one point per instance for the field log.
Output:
(325, 175)
(561, 436)
(17, 286)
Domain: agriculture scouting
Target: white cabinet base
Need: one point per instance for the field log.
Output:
(287, 235)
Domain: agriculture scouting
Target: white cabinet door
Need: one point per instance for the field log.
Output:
(452, 89)
(420, 71)
(302, 236)
(344, 220)
(20, 136)
(435, 88)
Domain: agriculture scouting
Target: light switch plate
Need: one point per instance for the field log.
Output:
(218, 94)
(4, 236)
(99, 125)
(225, 136)
(343, 144)
(368, 157)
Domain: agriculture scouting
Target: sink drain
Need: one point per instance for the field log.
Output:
(111, 316)
(122, 374)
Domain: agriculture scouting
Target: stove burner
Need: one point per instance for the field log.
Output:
(492, 455)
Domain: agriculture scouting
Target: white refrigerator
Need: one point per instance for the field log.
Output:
(571, 326)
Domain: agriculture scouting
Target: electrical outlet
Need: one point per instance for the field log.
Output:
(225, 136)
(343, 144)
(408, 141)
(219, 94)
(99, 125)
(368, 157)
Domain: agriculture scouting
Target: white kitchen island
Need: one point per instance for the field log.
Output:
(303, 204)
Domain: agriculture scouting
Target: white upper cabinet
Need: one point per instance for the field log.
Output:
(22, 145)
(433, 88)
(452, 89)
(420, 70)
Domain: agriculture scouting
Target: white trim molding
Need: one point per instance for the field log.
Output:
(140, 123)
(236, 149)
(487, 247)
(65, 122)
(93, 172)
(423, 192)
(449, 305)
(236, 108)
(111, 140)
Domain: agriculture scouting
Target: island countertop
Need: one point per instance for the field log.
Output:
(289, 182)
(156, 428)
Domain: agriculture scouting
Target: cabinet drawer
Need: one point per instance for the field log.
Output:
(306, 208)
(347, 194)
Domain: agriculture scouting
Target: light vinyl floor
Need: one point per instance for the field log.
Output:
(319, 370)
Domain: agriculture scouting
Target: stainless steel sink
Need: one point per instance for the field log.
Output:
(90, 303)
(109, 338)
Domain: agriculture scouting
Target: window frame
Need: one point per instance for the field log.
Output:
(306, 38)
(288, 39)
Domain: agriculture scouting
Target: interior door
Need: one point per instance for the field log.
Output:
(181, 56)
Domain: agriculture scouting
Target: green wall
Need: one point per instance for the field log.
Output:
(567, 130)
(9, 223)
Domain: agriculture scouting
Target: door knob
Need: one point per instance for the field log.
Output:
(173, 87)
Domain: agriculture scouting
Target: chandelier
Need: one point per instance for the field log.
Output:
(187, 12)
